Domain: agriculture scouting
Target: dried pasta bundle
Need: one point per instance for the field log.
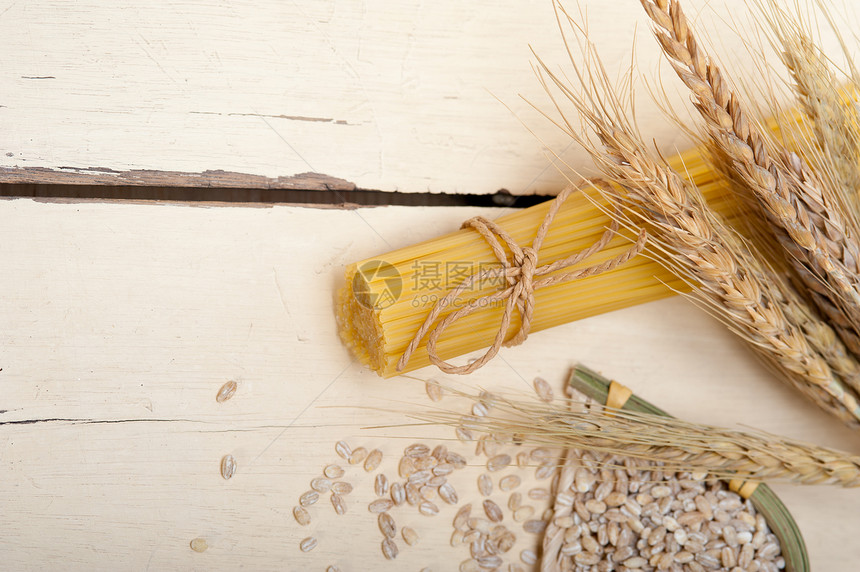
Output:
(387, 298)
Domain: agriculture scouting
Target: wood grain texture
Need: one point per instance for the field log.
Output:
(405, 96)
(121, 322)
(218, 179)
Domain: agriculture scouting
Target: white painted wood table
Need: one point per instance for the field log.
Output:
(121, 321)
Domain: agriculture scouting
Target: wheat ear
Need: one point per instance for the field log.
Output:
(812, 231)
(819, 333)
(731, 281)
(833, 115)
(834, 147)
(698, 246)
(679, 445)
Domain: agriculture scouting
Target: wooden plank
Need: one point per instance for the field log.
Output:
(387, 96)
(121, 321)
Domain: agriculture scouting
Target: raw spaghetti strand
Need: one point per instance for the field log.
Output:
(522, 275)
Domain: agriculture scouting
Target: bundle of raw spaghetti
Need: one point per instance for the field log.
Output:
(387, 298)
(384, 309)
(790, 287)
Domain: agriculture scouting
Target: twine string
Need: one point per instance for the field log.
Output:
(522, 277)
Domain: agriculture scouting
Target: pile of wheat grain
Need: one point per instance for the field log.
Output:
(524, 505)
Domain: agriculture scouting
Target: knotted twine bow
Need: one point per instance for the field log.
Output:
(523, 277)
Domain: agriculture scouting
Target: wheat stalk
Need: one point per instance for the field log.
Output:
(833, 146)
(811, 229)
(697, 245)
(833, 115)
(679, 445)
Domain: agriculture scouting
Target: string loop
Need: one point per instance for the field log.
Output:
(521, 275)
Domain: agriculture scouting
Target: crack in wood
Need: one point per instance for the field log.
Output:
(78, 421)
(214, 187)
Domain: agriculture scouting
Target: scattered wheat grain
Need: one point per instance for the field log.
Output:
(380, 485)
(528, 557)
(358, 455)
(413, 494)
(457, 538)
(321, 484)
(343, 450)
(389, 549)
(387, 525)
(461, 519)
(543, 389)
(333, 471)
(409, 535)
(534, 526)
(485, 484)
(341, 488)
(226, 392)
(338, 503)
(544, 472)
(405, 467)
(443, 469)
(433, 389)
(380, 505)
(302, 516)
(416, 450)
(509, 483)
(493, 511)
(309, 498)
(479, 409)
(498, 463)
(373, 460)
(427, 508)
(398, 494)
(448, 493)
(429, 493)
(456, 459)
(228, 466)
(523, 513)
